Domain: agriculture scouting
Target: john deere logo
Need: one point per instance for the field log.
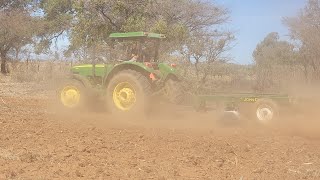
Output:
(250, 99)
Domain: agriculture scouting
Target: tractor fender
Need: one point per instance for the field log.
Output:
(127, 66)
(169, 72)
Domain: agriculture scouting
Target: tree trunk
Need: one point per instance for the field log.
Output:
(4, 69)
(305, 71)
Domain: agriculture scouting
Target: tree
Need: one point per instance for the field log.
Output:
(6, 5)
(17, 28)
(273, 51)
(304, 28)
(90, 22)
(269, 54)
(204, 53)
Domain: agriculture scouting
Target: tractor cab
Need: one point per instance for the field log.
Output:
(136, 46)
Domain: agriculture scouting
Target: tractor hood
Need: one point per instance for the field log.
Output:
(87, 70)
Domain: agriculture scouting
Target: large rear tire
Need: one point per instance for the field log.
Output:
(128, 92)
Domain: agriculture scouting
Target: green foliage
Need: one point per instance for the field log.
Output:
(270, 56)
(272, 51)
(90, 22)
(7, 5)
(57, 18)
(304, 29)
(17, 28)
(134, 23)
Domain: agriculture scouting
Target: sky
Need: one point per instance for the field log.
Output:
(252, 20)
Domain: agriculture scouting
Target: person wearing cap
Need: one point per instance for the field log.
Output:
(134, 58)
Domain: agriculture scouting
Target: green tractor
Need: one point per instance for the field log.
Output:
(125, 85)
(135, 82)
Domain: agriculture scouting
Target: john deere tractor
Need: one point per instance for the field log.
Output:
(128, 83)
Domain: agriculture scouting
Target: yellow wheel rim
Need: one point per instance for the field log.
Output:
(70, 96)
(124, 96)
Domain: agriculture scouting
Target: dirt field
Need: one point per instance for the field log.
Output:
(37, 142)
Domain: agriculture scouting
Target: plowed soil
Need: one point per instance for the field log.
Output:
(39, 142)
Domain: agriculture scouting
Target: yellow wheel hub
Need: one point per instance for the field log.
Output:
(70, 96)
(124, 96)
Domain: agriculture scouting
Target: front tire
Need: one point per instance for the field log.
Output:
(72, 94)
(128, 92)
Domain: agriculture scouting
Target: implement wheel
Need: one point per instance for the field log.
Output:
(265, 111)
(128, 92)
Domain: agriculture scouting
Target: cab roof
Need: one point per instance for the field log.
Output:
(137, 35)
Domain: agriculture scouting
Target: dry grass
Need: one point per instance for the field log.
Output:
(37, 71)
(231, 78)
